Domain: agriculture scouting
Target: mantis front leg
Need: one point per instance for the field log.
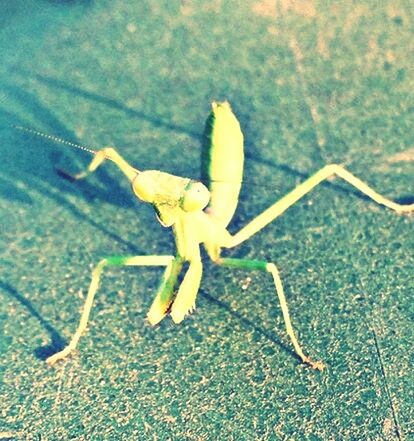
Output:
(100, 156)
(187, 292)
(159, 307)
(301, 190)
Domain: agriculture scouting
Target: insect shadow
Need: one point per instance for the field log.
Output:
(269, 335)
(251, 153)
(35, 157)
(35, 167)
(113, 104)
(405, 200)
(57, 341)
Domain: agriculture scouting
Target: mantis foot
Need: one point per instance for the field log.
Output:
(58, 356)
(318, 365)
(69, 176)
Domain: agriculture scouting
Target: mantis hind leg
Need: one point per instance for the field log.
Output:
(272, 269)
(301, 190)
(165, 292)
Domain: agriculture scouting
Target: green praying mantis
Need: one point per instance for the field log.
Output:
(199, 214)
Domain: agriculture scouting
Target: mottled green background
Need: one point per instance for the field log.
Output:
(312, 82)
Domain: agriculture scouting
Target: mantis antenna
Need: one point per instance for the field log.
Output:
(56, 139)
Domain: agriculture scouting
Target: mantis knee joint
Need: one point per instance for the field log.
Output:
(100, 266)
(108, 152)
(272, 268)
(331, 169)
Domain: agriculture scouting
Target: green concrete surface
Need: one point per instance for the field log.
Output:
(312, 82)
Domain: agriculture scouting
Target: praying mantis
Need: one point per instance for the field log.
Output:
(199, 214)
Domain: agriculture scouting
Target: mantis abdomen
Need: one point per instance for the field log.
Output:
(222, 161)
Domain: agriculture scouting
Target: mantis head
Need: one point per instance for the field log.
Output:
(170, 195)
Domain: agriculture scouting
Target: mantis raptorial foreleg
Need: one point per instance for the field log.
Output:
(100, 156)
(165, 291)
(187, 292)
(272, 269)
(98, 159)
(301, 190)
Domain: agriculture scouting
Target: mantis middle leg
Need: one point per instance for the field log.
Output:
(159, 307)
(301, 190)
(272, 269)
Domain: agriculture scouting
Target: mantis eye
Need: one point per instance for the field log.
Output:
(196, 197)
(143, 187)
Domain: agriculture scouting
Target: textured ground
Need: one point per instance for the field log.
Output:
(312, 82)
